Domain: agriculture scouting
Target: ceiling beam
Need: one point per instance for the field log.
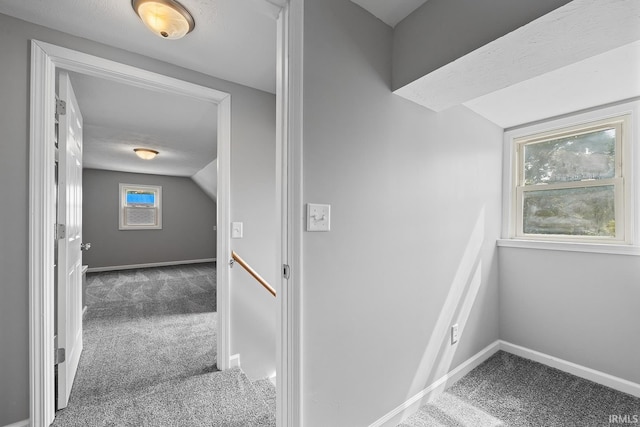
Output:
(574, 32)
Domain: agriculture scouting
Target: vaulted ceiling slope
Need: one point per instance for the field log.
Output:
(390, 12)
(119, 117)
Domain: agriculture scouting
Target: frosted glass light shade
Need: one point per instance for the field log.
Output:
(165, 18)
(145, 153)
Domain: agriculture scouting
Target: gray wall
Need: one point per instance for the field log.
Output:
(253, 309)
(580, 307)
(415, 205)
(253, 124)
(188, 218)
(441, 31)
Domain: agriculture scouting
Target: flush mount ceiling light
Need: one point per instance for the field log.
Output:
(145, 153)
(165, 18)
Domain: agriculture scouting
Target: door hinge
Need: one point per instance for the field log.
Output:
(286, 271)
(59, 356)
(61, 107)
(61, 231)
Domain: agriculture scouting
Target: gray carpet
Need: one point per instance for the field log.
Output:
(149, 356)
(144, 292)
(507, 390)
(267, 391)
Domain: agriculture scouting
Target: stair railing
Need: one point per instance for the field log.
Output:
(235, 257)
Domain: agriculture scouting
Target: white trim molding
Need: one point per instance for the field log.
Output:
(630, 245)
(41, 238)
(289, 145)
(45, 59)
(234, 361)
(149, 265)
(23, 423)
(599, 377)
(429, 393)
(596, 248)
(223, 244)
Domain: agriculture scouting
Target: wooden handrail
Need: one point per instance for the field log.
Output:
(252, 272)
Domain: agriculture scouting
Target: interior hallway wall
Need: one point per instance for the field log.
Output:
(253, 125)
(415, 204)
(188, 221)
(253, 309)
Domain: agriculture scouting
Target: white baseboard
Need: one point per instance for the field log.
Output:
(607, 380)
(412, 404)
(234, 361)
(151, 264)
(23, 423)
(273, 378)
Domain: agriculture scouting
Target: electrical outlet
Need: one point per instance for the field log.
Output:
(454, 334)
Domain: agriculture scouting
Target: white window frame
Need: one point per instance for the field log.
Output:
(627, 184)
(124, 188)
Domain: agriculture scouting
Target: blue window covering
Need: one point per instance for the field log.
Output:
(146, 199)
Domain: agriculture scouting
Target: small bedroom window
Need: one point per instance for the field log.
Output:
(140, 207)
(570, 183)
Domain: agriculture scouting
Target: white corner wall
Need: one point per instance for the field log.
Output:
(253, 202)
(207, 179)
(415, 204)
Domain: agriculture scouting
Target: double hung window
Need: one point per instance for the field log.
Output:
(569, 183)
(140, 207)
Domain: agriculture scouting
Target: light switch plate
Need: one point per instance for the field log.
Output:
(318, 217)
(236, 230)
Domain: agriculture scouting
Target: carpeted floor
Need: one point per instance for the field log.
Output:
(507, 390)
(267, 390)
(144, 292)
(149, 356)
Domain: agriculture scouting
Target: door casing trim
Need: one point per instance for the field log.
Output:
(45, 59)
(289, 148)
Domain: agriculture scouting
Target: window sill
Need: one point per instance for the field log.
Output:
(598, 248)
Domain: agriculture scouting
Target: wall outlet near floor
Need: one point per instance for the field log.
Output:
(454, 334)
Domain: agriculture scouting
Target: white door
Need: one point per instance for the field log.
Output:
(69, 303)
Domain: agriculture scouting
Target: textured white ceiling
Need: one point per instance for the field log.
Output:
(233, 39)
(390, 11)
(609, 77)
(553, 65)
(119, 118)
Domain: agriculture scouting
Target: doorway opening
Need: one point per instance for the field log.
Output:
(149, 295)
(46, 59)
